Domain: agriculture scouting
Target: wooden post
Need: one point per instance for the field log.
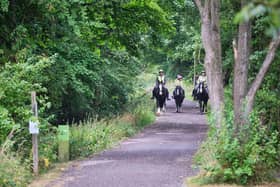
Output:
(35, 136)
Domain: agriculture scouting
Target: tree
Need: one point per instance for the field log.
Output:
(211, 38)
(243, 145)
(241, 55)
(210, 33)
(243, 97)
(97, 47)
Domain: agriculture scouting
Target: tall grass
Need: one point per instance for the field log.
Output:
(13, 170)
(94, 136)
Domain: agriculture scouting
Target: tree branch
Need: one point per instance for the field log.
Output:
(3, 147)
(274, 44)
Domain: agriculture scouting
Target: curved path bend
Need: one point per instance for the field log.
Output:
(159, 156)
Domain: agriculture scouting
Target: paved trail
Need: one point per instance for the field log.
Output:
(160, 156)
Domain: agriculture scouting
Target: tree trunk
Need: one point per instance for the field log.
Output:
(210, 32)
(240, 84)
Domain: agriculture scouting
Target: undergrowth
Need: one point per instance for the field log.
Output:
(13, 170)
(85, 139)
(250, 156)
(94, 136)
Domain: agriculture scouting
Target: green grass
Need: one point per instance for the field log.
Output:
(196, 182)
(13, 172)
(94, 136)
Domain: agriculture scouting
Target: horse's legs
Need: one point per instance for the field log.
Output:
(200, 106)
(194, 94)
(177, 101)
(180, 104)
(164, 107)
(158, 111)
(158, 108)
(205, 106)
(161, 105)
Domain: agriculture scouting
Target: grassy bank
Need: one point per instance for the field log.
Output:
(85, 139)
(94, 136)
(249, 157)
(196, 182)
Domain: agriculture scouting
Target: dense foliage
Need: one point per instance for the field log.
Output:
(249, 157)
(251, 154)
(82, 57)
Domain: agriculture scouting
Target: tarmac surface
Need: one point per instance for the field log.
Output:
(159, 156)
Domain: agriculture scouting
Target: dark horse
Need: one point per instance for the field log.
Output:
(179, 95)
(160, 93)
(202, 96)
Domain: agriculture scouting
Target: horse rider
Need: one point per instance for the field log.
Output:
(161, 79)
(178, 81)
(202, 79)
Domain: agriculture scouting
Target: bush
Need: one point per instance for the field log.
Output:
(48, 146)
(17, 81)
(13, 171)
(268, 104)
(252, 156)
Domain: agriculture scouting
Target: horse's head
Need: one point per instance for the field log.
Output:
(200, 87)
(160, 86)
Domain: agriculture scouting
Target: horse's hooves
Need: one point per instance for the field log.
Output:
(158, 113)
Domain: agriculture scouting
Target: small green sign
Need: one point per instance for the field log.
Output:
(63, 143)
(63, 132)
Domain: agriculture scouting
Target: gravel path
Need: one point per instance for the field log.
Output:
(159, 156)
